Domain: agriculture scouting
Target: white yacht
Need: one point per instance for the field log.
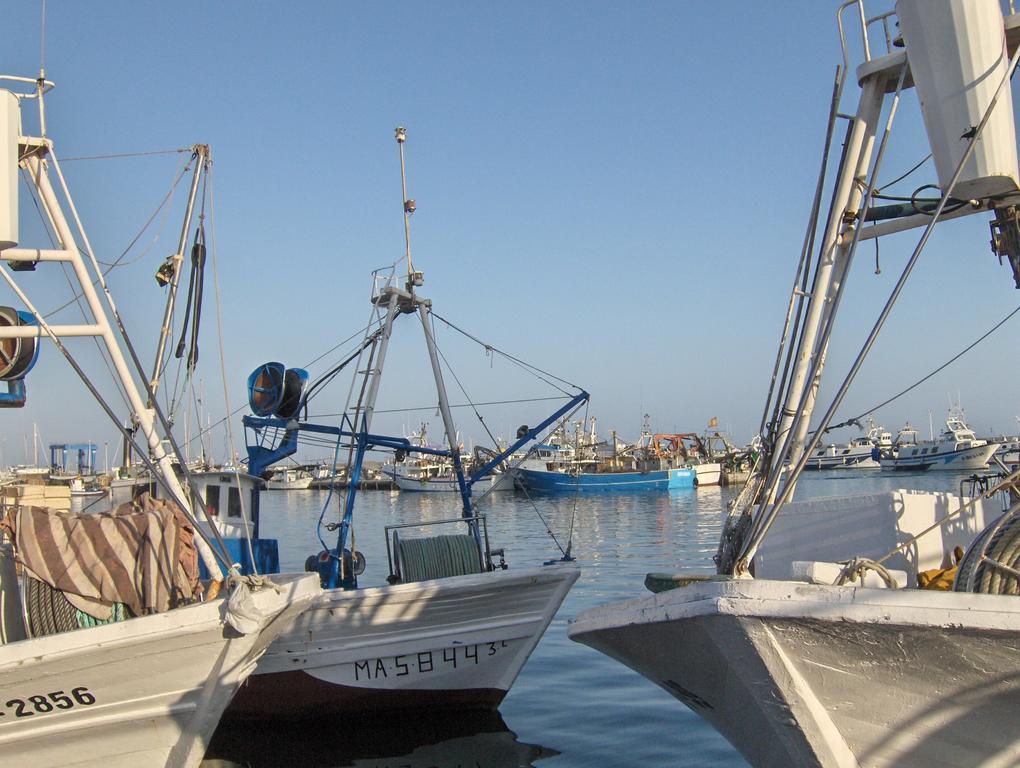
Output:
(290, 479)
(425, 473)
(859, 453)
(956, 449)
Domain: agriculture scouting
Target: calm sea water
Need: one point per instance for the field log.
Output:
(571, 706)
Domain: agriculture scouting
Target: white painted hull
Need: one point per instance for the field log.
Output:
(454, 642)
(853, 458)
(144, 692)
(800, 675)
(707, 474)
(493, 483)
(301, 484)
(966, 460)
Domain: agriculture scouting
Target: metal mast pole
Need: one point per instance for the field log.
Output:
(102, 329)
(801, 393)
(201, 157)
(401, 134)
(423, 312)
(444, 406)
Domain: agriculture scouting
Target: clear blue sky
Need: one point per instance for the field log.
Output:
(615, 192)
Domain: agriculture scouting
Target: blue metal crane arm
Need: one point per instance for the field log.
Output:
(259, 457)
(531, 434)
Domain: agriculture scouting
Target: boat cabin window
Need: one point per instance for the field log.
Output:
(233, 502)
(212, 499)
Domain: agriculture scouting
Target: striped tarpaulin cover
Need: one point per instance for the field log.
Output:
(141, 554)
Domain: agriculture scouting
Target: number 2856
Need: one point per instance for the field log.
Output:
(41, 703)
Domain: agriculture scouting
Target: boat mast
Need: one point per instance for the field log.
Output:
(799, 404)
(423, 306)
(200, 157)
(37, 157)
(987, 182)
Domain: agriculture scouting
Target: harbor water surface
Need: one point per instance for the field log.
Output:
(571, 706)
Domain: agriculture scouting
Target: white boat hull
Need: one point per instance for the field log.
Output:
(493, 483)
(454, 642)
(852, 459)
(301, 484)
(797, 674)
(965, 460)
(143, 692)
(707, 474)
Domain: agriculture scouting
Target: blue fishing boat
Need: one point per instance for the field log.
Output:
(580, 465)
(551, 481)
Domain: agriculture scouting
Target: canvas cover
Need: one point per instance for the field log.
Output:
(141, 554)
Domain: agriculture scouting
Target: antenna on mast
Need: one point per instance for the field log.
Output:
(40, 82)
(413, 278)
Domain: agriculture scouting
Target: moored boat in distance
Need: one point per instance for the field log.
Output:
(426, 473)
(289, 479)
(956, 448)
(80, 488)
(860, 453)
(583, 464)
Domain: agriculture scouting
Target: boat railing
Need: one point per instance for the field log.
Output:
(47, 85)
(865, 26)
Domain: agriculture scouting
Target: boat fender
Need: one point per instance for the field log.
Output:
(242, 613)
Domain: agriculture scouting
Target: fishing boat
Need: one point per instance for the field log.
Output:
(860, 453)
(146, 690)
(453, 625)
(289, 479)
(581, 463)
(431, 474)
(1008, 450)
(92, 488)
(688, 450)
(956, 449)
(812, 643)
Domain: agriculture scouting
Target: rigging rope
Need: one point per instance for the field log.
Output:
(119, 261)
(898, 179)
(193, 497)
(923, 379)
(128, 154)
(77, 297)
(518, 361)
(449, 368)
(457, 405)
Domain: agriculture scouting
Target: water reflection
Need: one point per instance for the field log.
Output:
(415, 740)
(593, 710)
